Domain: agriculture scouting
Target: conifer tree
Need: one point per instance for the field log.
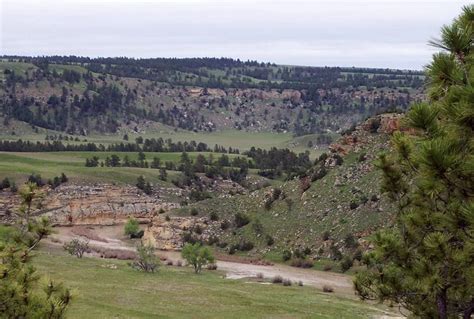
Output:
(21, 292)
(425, 262)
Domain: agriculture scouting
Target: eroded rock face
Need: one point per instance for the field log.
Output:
(168, 234)
(101, 204)
(380, 124)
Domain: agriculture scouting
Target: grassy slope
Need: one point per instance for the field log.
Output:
(19, 165)
(174, 292)
(323, 207)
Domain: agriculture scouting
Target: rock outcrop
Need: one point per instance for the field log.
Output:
(169, 234)
(100, 204)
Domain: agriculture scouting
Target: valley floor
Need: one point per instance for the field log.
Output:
(110, 288)
(106, 288)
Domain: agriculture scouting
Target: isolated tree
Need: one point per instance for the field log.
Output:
(141, 182)
(76, 247)
(426, 262)
(197, 256)
(163, 174)
(156, 163)
(146, 259)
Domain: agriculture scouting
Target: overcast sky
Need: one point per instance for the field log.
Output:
(370, 33)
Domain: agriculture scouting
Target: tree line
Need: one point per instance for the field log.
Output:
(146, 145)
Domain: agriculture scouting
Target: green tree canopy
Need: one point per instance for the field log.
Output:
(426, 262)
(22, 295)
(197, 256)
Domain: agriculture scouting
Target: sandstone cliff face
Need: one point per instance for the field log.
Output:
(168, 234)
(101, 204)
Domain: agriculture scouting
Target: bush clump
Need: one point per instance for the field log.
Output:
(269, 239)
(213, 216)
(301, 263)
(328, 289)
(241, 220)
(287, 282)
(132, 228)
(277, 279)
(286, 255)
(346, 264)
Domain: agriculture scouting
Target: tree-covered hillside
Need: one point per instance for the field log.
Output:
(79, 95)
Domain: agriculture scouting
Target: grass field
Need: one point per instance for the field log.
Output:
(50, 164)
(227, 138)
(174, 292)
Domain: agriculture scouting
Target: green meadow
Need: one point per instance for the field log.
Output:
(176, 292)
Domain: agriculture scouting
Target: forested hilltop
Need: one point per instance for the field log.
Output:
(79, 95)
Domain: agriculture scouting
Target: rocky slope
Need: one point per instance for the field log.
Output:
(339, 197)
(315, 212)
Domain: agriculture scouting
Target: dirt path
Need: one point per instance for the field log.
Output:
(112, 237)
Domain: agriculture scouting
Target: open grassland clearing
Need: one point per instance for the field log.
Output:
(118, 291)
(19, 165)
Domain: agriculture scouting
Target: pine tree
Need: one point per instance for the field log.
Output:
(21, 292)
(426, 262)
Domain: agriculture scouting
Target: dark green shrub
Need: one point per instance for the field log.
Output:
(213, 216)
(358, 255)
(328, 289)
(318, 174)
(277, 279)
(241, 220)
(326, 235)
(286, 255)
(138, 234)
(225, 224)
(257, 226)
(276, 193)
(335, 253)
(245, 245)
(350, 241)
(323, 157)
(353, 205)
(301, 263)
(346, 264)
(131, 227)
(5, 183)
(338, 159)
(374, 125)
(270, 241)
